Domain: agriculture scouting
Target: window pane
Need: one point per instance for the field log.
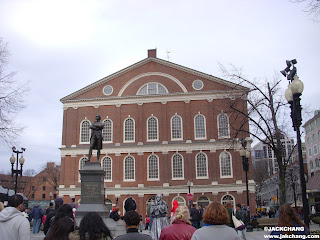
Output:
(106, 165)
(107, 131)
(200, 126)
(223, 125)
(176, 127)
(129, 168)
(225, 164)
(201, 165)
(153, 167)
(152, 128)
(129, 130)
(161, 89)
(143, 91)
(152, 88)
(85, 131)
(177, 166)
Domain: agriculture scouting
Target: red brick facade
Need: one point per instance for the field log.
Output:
(181, 99)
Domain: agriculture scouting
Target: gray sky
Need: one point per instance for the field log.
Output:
(61, 46)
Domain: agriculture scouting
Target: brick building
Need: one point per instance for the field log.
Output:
(165, 125)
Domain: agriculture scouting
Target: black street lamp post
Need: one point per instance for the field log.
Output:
(292, 95)
(189, 185)
(245, 154)
(16, 171)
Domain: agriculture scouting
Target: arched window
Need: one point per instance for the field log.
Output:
(107, 130)
(176, 128)
(199, 127)
(152, 126)
(152, 88)
(85, 131)
(129, 169)
(225, 165)
(107, 167)
(223, 126)
(129, 130)
(177, 167)
(317, 162)
(181, 201)
(81, 164)
(202, 165)
(153, 167)
(108, 204)
(227, 198)
(203, 201)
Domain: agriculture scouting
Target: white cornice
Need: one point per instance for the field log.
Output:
(185, 97)
(214, 189)
(139, 149)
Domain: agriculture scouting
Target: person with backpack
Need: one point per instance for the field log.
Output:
(241, 215)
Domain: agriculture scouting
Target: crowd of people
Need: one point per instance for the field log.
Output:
(215, 221)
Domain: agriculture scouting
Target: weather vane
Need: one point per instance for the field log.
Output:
(168, 56)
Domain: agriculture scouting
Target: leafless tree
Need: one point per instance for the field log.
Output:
(266, 113)
(312, 8)
(11, 99)
(260, 173)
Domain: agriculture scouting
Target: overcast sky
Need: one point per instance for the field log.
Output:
(61, 46)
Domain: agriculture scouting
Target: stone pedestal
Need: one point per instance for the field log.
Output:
(92, 197)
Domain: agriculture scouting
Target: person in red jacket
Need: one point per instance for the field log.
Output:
(175, 205)
(180, 228)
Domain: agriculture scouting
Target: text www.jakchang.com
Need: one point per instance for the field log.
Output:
(291, 236)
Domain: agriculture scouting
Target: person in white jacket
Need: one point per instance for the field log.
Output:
(13, 224)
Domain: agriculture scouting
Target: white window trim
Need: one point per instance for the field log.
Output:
(234, 199)
(153, 140)
(180, 178)
(81, 132)
(107, 180)
(223, 137)
(153, 179)
(197, 177)
(230, 176)
(134, 169)
(205, 127)
(315, 146)
(134, 131)
(111, 130)
(176, 197)
(176, 139)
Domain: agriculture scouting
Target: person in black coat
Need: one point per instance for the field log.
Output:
(58, 202)
(195, 216)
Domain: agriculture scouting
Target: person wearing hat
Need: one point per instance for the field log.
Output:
(58, 202)
(13, 224)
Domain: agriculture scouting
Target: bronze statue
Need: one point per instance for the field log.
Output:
(96, 137)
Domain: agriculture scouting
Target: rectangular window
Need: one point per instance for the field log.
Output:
(32, 196)
(43, 196)
(55, 196)
(315, 149)
(44, 179)
(33, 188)
(310, 152)
(43, 188)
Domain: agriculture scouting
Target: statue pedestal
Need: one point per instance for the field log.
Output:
(92, 197)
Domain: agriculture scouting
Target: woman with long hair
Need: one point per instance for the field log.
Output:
(180, 228)
(92, 227)
(61, 229)
(288, 218)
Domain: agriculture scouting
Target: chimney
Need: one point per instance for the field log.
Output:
(152, 53)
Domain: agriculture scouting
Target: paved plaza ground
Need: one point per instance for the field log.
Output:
(255, 235)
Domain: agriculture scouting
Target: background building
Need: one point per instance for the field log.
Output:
(165, 125)
(312, 140)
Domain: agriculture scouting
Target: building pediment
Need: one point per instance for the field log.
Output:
(128, 81)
